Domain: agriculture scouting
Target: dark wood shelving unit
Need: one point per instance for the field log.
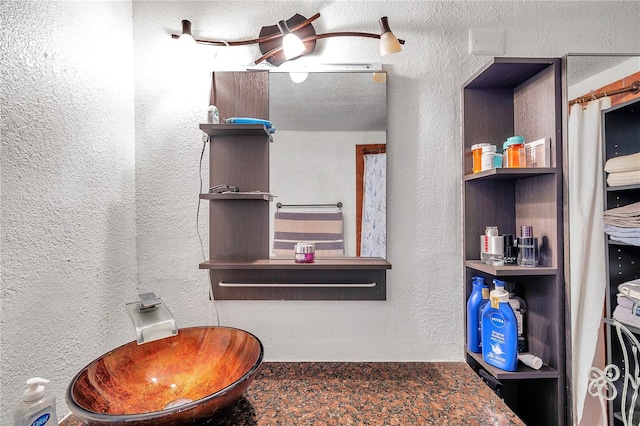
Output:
(239, 265)
(621, 136)
(520, 96)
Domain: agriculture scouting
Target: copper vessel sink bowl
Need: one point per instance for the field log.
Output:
(174, 381)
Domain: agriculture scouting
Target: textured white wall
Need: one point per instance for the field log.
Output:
(67, 172)
(68, 222)
(422, 318)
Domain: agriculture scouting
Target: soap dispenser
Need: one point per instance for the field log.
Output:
(38, 408)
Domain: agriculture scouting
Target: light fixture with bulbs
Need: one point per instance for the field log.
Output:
(296, 37)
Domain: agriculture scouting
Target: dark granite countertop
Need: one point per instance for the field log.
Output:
(331, 393)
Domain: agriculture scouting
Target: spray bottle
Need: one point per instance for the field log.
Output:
(38, 408)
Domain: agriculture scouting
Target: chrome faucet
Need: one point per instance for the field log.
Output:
(151, 318)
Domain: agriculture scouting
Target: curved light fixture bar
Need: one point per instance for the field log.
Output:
(278, 49)
(263, 39)
(271, 37)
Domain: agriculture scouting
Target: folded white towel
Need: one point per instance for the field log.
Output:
(627, 303)
(625, 316)
(634, 241)
(625, 235)
(631, 289)
(629, 210)
(620, 231)
(625, 217)
(625, 163)
(624, 178)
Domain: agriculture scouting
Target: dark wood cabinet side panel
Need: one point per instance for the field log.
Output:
(537, 206)
(487, 203)
(536, 404)
(488, 118)
(241, 94)
(239, 229)
(544, 333)
(241, 161)
(534, 109)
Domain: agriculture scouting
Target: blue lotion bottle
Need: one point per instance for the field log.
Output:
(500, 330)
(475, 305)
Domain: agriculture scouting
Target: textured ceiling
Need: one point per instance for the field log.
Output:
(581, 67)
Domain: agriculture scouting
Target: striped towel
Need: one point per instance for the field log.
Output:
(323, 229)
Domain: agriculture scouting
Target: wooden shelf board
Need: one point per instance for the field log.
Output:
(622, 188)
(619, 243)
(320, 263)
(507, 73)
(510, 173)
(505, 271)
(612, 321)
(635, 421)
(523, 372)
(237, 196)
(234, 129)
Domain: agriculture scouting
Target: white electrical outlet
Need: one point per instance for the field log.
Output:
(486, 41)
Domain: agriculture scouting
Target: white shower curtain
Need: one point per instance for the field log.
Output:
(586, 244)
(373, 242)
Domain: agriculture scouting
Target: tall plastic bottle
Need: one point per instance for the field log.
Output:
(500, 330)
(475, 304)
(38, 408)
(519, 307)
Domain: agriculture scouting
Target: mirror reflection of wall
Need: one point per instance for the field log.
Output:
(322, 127)
(586, 75)
(598, 73)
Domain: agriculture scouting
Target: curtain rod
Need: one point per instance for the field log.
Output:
(633, 88)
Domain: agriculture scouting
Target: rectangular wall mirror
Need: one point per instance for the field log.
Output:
(330, 147)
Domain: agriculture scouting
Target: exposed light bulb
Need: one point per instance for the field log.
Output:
(298, 77)
(186, 38)
(388, 41)
(292, 46)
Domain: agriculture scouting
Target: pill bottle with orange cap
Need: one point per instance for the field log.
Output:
(476, 151)
(514, 153)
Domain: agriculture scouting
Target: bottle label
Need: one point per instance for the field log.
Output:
(497, 320)
(485, 293)
(495, 302)
(42, 420)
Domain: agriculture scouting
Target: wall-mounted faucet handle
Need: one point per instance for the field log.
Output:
(148, 301)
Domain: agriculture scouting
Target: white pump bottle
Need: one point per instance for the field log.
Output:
(38, 408)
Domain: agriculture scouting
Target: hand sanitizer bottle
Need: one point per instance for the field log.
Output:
(38, 408)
